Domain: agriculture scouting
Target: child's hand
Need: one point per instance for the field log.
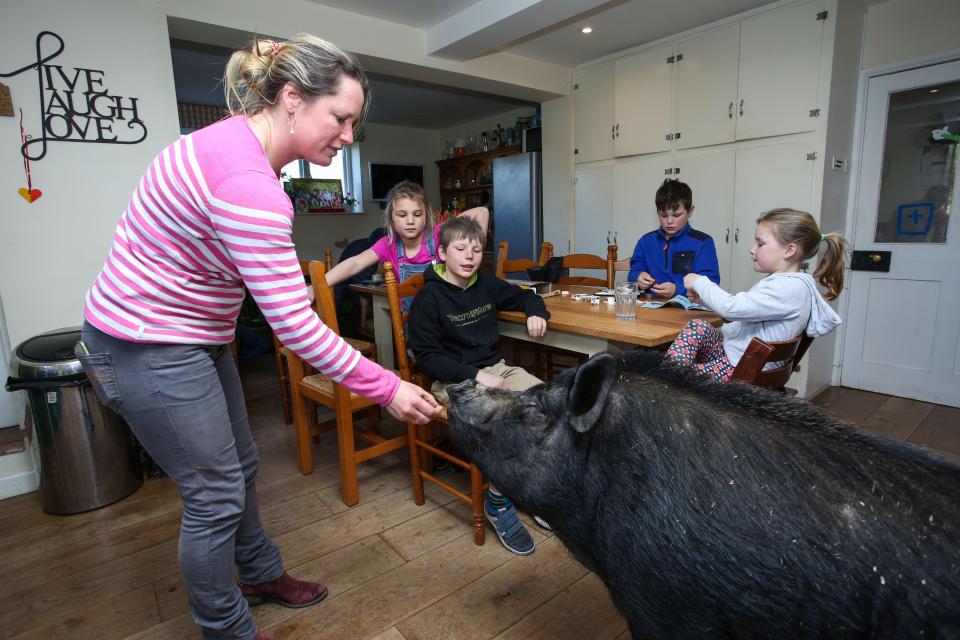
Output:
(645, 280)
(689, 279)
(665, 290)
(490, 380)
(536, 327)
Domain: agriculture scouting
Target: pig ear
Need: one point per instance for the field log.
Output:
(588, 395)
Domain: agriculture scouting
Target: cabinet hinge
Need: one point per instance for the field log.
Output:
(576, 151)
(669, 136)
(812, 156)
(679, 57)
(576, 86)
(814, 113)
(668, 171)
(671, 59)
(676, 136)
(823, 15)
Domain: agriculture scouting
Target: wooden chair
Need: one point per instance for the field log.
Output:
(590, 261)
(759, 353)
(520, 265)
(419, 439)
(307, 387)
(368, 349)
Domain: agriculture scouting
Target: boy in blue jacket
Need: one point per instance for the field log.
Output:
(663, 257)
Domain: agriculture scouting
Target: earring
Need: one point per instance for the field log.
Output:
(291, 120)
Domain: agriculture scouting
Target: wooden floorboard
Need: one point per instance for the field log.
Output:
(395, 570)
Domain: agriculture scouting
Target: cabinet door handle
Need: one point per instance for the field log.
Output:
(614, 238)
(608, 236)
(618, 129)
(741, 106)
(727, 239)
(730, 111)
(611, 131)
(736, 235)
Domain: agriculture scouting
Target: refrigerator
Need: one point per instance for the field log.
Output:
(517, 205)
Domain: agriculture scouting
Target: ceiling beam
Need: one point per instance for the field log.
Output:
(489, 25)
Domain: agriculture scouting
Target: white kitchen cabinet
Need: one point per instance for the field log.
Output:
(705, 84)
(767, 177)
(642, 102)
(635, 184)
(593, 198)
(593, 113)
(779, 71)
(710, 175)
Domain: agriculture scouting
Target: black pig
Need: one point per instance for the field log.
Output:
(716, 510)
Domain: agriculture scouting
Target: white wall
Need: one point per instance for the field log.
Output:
(900, 30)
(312, 234)
(51, 250)
(558, 170)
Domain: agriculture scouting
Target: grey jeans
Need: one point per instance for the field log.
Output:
(186, 407)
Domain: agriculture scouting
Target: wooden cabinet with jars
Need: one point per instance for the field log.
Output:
(467, 181)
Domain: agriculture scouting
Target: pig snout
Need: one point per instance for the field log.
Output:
(470, 403)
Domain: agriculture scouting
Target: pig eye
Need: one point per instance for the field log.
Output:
(533, 415)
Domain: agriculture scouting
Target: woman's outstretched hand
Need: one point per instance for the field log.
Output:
(412, 403)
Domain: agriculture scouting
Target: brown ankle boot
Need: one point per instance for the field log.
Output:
(285, 591)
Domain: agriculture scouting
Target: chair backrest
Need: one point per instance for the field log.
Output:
(759, 353)
(323, 296)
(590, 261)
(520, 265)
(398, 317)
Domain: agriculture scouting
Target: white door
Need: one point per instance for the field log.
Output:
(902, 327)
(593, 199)
(593, 113)
(779, 71)
(768, 177)
(641, 102)
(635, 184)
(711, 175)
(706, 88)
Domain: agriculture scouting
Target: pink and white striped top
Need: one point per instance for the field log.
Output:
(208, 217)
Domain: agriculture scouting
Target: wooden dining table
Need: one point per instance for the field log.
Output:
(576, 325)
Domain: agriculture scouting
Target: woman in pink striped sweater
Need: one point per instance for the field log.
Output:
(208, 218)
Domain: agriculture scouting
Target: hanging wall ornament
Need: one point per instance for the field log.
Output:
(28, 193)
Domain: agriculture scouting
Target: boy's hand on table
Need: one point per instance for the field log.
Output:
(413, 403)
(645, 280)
(665, 290)
(490, 380)
(536, 327)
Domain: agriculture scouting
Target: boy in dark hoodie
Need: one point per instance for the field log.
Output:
(454, 333)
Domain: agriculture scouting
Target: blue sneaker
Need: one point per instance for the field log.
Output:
(510, 530)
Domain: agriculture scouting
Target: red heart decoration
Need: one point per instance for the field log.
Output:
(30, 195)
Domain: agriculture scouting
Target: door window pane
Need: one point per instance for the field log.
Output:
(920, 157)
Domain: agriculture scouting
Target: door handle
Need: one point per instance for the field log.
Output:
(741, 106)
(730, 110)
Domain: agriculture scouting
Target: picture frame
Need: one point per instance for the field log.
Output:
(319, 195)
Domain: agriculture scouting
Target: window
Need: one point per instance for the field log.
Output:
(339, 169)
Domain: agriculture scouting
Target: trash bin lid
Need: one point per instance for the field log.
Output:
(47, 355)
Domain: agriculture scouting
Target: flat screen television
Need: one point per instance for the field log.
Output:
(383, 176)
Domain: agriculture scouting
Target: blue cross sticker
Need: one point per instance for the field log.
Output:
(914, 219)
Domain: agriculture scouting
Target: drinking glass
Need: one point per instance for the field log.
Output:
(626, 296)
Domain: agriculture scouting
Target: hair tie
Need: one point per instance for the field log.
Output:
(822, 237)
(274, 49)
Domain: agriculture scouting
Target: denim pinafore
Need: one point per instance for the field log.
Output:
(406, 269)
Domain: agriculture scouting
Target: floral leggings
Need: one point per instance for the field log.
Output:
(700, 345)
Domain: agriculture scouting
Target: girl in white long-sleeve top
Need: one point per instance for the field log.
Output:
(780, 307)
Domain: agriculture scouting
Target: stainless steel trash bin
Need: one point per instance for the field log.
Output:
(87, 458)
